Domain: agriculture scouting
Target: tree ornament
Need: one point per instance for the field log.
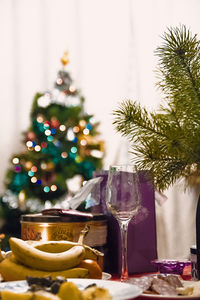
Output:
(28, 165)
(50, 166)
(65, 58)
(31, 136)
(22, 200)
(48, 178)
(44, 100)
(54, 122)
(63, 82)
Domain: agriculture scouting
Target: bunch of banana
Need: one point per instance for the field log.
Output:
(39, 259)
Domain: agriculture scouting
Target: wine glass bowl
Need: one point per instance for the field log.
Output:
(123, 200)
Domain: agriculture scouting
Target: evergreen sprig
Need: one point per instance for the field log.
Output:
(167, 141)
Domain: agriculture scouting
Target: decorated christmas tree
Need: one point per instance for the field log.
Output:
(61, 144)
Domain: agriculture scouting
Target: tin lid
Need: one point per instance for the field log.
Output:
(40, 218)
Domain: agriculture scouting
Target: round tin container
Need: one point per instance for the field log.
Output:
(55, 228)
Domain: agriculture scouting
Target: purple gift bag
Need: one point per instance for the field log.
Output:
(142, 246)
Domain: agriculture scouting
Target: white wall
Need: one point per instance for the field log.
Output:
(111, 45)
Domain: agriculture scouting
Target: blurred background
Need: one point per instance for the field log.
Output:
(111, 46)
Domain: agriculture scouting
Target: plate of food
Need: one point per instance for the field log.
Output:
(167, 286)
(86, 288)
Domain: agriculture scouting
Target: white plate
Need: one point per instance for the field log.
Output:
(118, 290)
(165, 297)
(149, 296)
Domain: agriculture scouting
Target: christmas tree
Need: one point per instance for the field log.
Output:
(60, 144)
(168, 141)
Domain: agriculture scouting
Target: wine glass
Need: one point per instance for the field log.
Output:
(123, 200)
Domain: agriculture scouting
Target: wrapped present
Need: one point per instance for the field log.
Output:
(142, 244)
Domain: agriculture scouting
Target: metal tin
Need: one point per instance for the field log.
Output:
(55, 228)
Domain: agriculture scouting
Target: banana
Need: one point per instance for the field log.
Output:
(35, 258)
(61, 246)
(11, 270)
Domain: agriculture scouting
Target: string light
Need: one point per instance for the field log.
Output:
(34, 169)
(50, 138)
(83, 142)
(43, 145)
(86, 131)
(72, 89)
(64, 154)
(53, 131)
(73, 149)
(53, 188)
(47, 132)
(34, 179)
(29, 144)
(62, 127)
(59, 81)
(75, 140)
(92, 120)
(89, 126)
(30, 173)
(37, 148)
(17, 169)
(76, 129)
(39, 182)
(39, 119)
(22, 197)
(43, 166)
(46, 126)
(15, 160)
(78, 159)
(46, 189)
(82, 123)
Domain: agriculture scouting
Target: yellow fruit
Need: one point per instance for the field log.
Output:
(93, 267)
(12, 270)
(69, 291)
(35, 258)
(43, 295)
(10, 295)
(61, 246)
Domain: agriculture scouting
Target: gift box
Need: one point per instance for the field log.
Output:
(142, 244)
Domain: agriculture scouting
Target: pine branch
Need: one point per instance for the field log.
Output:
(168, 141)
(179, 65)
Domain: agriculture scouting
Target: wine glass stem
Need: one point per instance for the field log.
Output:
(124, 230)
